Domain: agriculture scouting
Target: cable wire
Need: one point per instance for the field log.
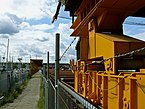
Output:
(63, 17)
(84, 22)
(116, 56)
(67, 49)
(111, 87)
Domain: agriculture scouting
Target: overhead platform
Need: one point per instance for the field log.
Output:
(72, 6)
(136, 6)
(108, 14)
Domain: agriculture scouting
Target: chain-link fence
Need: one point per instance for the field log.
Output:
(67, 101)
(10, 80)
(67, 98)
(19, 76)
(49, 93)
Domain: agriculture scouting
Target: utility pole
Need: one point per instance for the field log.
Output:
(56, 70)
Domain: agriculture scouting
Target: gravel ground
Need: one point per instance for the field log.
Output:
(29, 97)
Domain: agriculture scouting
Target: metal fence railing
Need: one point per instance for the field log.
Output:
(10, 80)
(68, 99)
(49, 92)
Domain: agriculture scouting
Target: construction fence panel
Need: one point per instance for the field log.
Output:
(10, 80)
(51, 94)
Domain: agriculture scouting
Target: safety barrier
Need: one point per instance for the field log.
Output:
(67, 98)
(10, 80)
(49, 92)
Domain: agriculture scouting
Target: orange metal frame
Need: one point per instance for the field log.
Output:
(100, 88)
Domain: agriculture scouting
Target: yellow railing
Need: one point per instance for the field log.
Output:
(123, 91)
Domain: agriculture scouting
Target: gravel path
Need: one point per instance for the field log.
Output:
(29, 97)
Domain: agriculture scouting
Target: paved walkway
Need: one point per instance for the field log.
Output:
(29, 97)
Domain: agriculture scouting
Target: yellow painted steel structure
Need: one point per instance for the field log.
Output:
(123, 91)
(103, 75)
(109, 88)
(109, 45)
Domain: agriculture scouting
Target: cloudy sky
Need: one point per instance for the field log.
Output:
(27, 25)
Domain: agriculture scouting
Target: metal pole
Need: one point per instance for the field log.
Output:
(48, 103)
(56, 70)
(0, 62)
(44, 71)
(48, 65)
(7, 55)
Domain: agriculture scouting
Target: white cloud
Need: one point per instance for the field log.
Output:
(23, 8)
(43, 27)
(28, 42)
(22, 22)
(49, 8)
(65, 40)
(24, 25)
(17, 23)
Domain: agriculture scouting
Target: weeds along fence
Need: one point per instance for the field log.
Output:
(10, 80)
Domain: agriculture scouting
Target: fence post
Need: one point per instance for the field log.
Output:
(48, 65)
(56, 70)
(43, 80)
(44, 71)
(48, 103)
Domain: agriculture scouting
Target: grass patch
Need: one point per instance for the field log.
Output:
(41, 97)
(10, 96)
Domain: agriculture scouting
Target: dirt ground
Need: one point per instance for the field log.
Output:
(29, 97)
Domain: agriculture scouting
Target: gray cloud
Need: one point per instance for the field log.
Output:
(14, 18)
(22, 52)
(36, 51)
(6, 36)
(7, 27)
(3, 45)
(43, 39)
(9, 24)
(33, 50)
